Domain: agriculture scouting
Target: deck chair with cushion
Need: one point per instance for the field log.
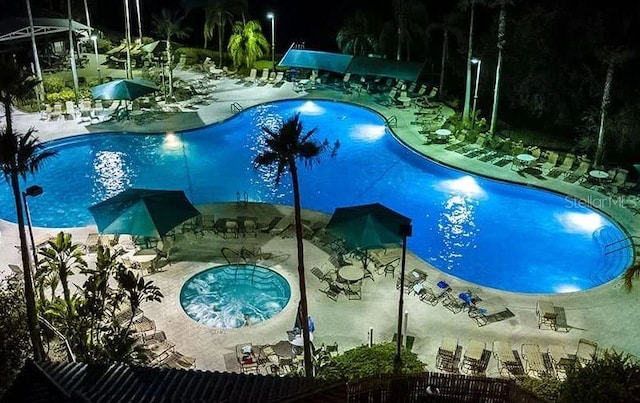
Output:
(546, 314)
(534, 361)
(566, 166)
(264, 78)
(508, 362)
(69, 110)
(447, 354)
(278, 81)
(425, 100)
(550, 163)
(322, 276)
(56, 112)
(472, 358)
(580, 173)
(587, 349)
(251, 78)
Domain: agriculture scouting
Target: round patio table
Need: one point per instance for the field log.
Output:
(528, 158)
(351, 273)
(599, 175)
(443, 132)
(144, 256)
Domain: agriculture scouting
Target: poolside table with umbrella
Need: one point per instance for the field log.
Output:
(123, 90)
(143, 212)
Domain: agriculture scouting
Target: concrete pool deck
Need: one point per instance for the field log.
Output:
(606, 314)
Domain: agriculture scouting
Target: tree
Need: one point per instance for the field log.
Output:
(247, 43)
(169, 25)
(467, 88)
(21, 154)
(62, 256)
(502, 24)
(14, 343)
(364, 361)
(356, 37)
(283, 147)
(632, 273)
(613, 58)
(408, 19)
(217, 14)
(449, 25)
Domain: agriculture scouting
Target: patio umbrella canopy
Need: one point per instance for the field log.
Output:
(367, 226)
(157, 47)
(127, 89)
(144, 212)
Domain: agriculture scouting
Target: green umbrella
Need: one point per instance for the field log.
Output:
(127, 89)
(368, 226)
(144, 212)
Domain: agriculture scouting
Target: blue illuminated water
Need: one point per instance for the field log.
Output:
(234, 296)
(494, 234)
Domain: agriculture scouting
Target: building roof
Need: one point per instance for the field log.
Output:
(54, 382)
(17, 28)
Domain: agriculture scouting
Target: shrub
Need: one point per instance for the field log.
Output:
(52, 84)
(15, 345)
(196, 55)
(614, 377)
(364, 361)
(547, 389)
(66, 94)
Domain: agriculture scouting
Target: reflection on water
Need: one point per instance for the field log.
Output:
(457, 228)
(234, 296)
(110, 174)
(585, 223)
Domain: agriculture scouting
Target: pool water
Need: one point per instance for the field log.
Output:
(233, 296)
(492, 233)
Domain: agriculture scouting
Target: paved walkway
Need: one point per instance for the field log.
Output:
(606, 314)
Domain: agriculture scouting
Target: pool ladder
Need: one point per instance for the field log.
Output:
(631, 243)
(236, 107)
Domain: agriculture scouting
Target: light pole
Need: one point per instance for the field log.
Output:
(94, 38)
(32, 191)
(272, 17)
(477, 61)
(405, 231)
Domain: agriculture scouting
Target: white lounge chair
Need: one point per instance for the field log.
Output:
(251, 78)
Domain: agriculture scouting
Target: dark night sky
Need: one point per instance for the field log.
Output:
(314, 22)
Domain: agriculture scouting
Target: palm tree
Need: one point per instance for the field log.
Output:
(168, 25)
(467, 88)
(217, 14)
(356, 37)
(283, 148)
(247, 43)
(21, 154)
(613, 58)
(449, 25)
(62, 256)
(408, 19)
(631, 274)
(502, 24)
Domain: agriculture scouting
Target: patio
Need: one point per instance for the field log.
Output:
(595, 314)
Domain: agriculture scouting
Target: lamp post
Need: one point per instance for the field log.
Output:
(32, 191)
(405, 231)
(94, 38)
(272, 17)
(477, 61)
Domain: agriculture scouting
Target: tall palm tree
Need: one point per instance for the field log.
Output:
(467, 88)
(247, 43)
(217, 14)
(631, 274)
(613, 58)
(169, 25)
(356, 37)
(450, 25)
(408, 19)
(62, 256)
(283, 148)
(21, 154)
(502, 25)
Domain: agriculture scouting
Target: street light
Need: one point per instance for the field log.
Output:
(94, 38)
(273, 39)
(32, 191)
(405, 231)
(477, 61)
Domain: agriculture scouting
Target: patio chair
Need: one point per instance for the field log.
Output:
(92, 242)
(546, 314)
(271, 225)
(534, 361)
(508, 362)
(278, 81)
(472, 358)
(560, 360)
(587, 349)
(619, 182)
(550, 163)
(425, 294)
(333, 290)
(580, 173)
(353, 290)
(320, 275)
(566, 166)
(447, 354)
(57, 111)
(208, 222)
(452, 303)
(143, 325)
(264, 78)
(251, 78)
(70, 110)
(425, 100)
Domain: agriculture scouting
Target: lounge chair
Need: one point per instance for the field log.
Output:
(70, 110)
(472, 358)
(57, 111)
(92, 242)
(264, 78)
(333, 290)
(316, 271)
(271, 225)
(143, 325)
(425, 101)
(452, 303)
(425, 294)
(208, 222)
(508, 362)
(587, 349)
(279, 79)
(16, 270)
(251, 78)
(560, 360)
(534, 361)
(545, 311)
(550, 163)
(447, 354)
(353, 290)
(619, 183)
(579, 174)
(566, 166)
(178, 360)
(249, 226)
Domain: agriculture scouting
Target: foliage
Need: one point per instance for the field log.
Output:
(632, 273)
(196, 55)
(547, 389)
(52, 83)
(14, 340)
(357, 37)
(88, 318)
(66, 94)
(614, 377)
(364, 361)
(247, 43)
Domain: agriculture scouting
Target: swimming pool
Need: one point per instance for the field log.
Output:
(491, 233)
(233, 296)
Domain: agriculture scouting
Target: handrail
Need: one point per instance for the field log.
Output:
(67, 347)
(630, 239)
(392, 121)
(236, 107)
(232, 253)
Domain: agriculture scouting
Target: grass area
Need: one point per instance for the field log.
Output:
(546, 140)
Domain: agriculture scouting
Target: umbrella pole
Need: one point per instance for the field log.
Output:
(405, 231)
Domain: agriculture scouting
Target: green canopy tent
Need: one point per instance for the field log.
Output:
(378, 67)
(123, 89)
(144, 212)
(315, 60)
